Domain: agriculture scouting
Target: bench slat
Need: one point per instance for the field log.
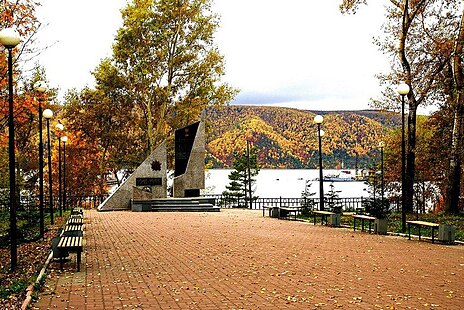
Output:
(295, 209)
(66, 242)
(363, 217)
(422, 223)
(323, 212)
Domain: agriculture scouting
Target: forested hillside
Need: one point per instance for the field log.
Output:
(287, 138)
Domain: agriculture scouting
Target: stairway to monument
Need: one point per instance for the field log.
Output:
(195, 204)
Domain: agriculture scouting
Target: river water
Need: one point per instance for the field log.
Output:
(286, 183)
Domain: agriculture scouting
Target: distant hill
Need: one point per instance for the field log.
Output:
(287, 138)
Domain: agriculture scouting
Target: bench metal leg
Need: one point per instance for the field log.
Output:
(370, 226)
(433, 235)
(362, 224)
(409, 231)
(354, 224)
(419, 232)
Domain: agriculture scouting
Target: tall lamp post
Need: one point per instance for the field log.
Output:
(64, 139)
(59, 127)
(48, 114)
(382, 184)
(41, 88)
(9, 39)
(318, 119)
(403, 90)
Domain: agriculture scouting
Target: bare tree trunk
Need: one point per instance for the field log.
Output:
(455, 167)
(411, 135)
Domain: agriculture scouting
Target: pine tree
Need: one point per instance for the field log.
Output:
(235, 190)
(333, 199)
(307, 203)
(242, 178)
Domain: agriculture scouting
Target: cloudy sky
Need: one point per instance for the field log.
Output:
(293, 53)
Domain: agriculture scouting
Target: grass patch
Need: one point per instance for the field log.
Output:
(17, 286)
(395, 223)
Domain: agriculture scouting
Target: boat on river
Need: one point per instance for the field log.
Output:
(342, 176)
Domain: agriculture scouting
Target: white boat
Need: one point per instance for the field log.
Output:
(342, 176)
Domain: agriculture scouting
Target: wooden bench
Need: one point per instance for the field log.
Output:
(70, 244)
(284, 212)
(73, 231)
(420, 224)
(75, 220)
(77, 211)
(323, 214)
(363, 218)
(70, 240)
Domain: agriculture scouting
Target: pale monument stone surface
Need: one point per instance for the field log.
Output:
(147, 182)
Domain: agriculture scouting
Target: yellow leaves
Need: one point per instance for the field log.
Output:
(287, 138)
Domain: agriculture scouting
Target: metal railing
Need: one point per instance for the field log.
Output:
(348, 204)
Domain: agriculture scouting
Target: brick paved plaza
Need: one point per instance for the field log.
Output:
(237, 259)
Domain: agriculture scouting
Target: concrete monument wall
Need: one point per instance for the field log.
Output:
(189, 175)
(147, 182)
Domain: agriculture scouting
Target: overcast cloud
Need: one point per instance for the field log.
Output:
(294, 53)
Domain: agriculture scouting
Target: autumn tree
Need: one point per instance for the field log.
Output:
(418, 37)
(456, 93)
(171, 68)
(103, 132)
(19, 15)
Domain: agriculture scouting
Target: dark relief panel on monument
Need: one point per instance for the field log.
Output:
(148, 182)
(184, 139)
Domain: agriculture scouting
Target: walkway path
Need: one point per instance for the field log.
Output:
(236, 259)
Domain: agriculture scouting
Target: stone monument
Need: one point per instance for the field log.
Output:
(147, 182)
(189, 171)
(145, 189)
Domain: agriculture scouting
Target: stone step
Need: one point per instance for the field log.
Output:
(186, 209)
(175, 204)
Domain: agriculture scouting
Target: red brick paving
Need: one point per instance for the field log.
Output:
(236, 259)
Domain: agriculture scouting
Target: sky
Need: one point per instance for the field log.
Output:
(295, 53)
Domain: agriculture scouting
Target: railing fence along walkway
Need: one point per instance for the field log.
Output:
(348, 204)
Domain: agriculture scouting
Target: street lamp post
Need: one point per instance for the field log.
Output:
(64, 139)
(403, 90)
(48, 114)
(9, 38)
(59, 127)
(41, 88)
(318, 119)
(382, 184)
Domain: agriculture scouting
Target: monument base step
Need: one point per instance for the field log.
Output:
(195, 204)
